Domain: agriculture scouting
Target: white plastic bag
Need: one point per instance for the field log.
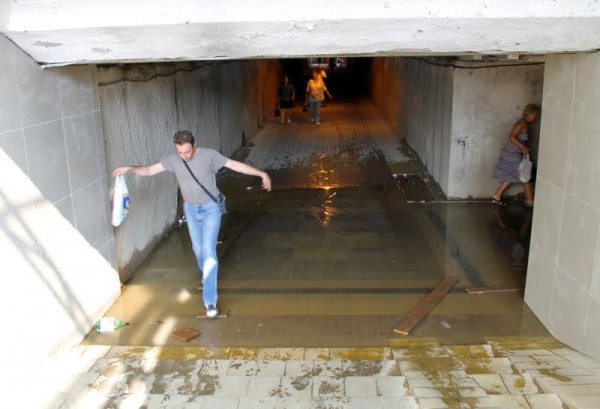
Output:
(120, 201)
(524, 171)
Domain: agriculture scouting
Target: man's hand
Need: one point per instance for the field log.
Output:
(250, 170)
(121, 170)
(266, 181)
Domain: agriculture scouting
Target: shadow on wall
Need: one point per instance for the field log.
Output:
(57, 285)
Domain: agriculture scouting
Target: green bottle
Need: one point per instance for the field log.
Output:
(107, 324)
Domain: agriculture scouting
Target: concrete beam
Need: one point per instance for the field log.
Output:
(6, 7)
(94, 31)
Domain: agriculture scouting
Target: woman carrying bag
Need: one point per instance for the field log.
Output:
(511, 156)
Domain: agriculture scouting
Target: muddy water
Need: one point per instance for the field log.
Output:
(335, 256)
(337, 267)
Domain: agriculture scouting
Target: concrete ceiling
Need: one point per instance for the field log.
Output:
(56, 32)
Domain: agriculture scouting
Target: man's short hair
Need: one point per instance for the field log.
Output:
(183, 137)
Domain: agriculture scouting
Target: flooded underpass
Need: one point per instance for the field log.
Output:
(338, 253)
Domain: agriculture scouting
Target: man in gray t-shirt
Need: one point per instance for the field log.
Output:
(202, 212)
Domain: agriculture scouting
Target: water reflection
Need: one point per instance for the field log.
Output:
(328, 210)
(513, 232)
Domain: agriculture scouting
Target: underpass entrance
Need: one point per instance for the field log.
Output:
(336, 254)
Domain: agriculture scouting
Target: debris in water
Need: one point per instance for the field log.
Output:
(108, 324)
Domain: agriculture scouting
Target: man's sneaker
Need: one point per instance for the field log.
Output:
(211, 311)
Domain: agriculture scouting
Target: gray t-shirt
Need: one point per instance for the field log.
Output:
(205, 165)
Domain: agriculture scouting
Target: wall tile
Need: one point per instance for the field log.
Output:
(578, 240)
(65, 207)
(587, 91)
(111, 252)
(100, 148)
(559, 78)
(15, 197)
(45, 146)
(38, 90)
(94, 85)
(547, 217)
(106, 202)
(75, 84)
(89, 207)
(13, 145)
(82, 150)
(540, 280)
(10, 109)
(105, 251)
(592, 329)
(568, 310)
(553, 147)
(583, 166)
(595, 286)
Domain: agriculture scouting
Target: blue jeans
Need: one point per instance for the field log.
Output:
(204, 222)
(314, 108)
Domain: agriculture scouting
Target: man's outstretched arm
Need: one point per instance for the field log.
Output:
(250, 170)
(149, 170)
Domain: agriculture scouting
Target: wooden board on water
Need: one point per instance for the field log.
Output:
(184, 334)
(419, 311)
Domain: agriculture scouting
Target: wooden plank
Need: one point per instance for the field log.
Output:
(402, 183)
(202, 315)
(486, 290)
(419, 311)
(184, 334)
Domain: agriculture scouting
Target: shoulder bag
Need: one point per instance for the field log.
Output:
(221, 201)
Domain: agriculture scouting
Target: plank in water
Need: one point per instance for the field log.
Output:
(202, 315)
(416, 314)
(184, 334)
(486, 290)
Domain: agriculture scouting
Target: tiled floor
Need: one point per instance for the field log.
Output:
(535, 373)
(315, 277)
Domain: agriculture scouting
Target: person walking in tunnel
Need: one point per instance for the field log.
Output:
(195, 170)
(286, 93)
(315, 94)
(511, 155)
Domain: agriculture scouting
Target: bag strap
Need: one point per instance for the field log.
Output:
(200, 184)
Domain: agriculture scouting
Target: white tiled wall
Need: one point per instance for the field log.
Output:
(50, 127)
(563, 278)
(56, 242)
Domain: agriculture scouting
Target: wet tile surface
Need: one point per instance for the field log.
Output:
(182, 382)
